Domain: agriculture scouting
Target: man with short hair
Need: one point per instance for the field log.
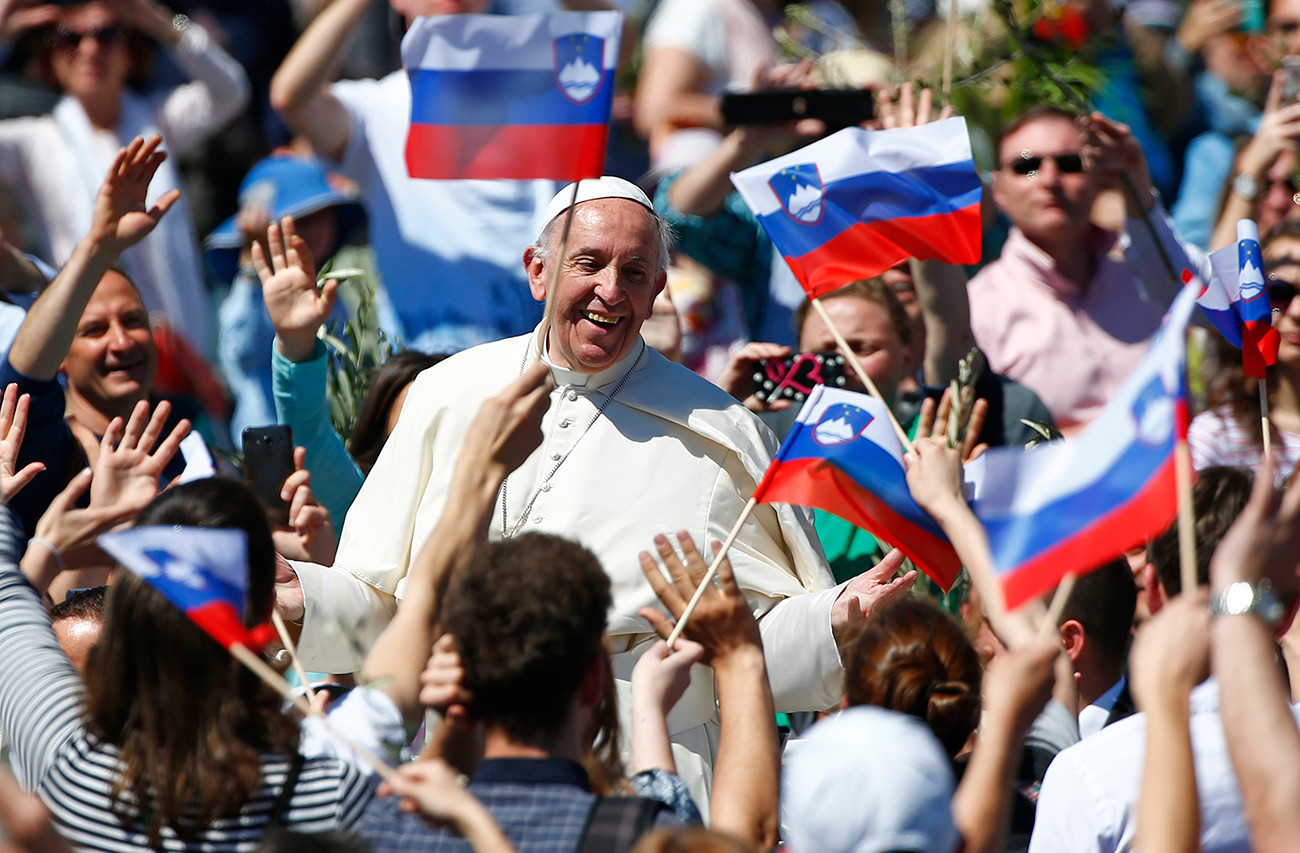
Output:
(1056, 312)
(1096, 626)
(528, 615)
(634, 445)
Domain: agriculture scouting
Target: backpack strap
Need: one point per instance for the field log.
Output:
(615, 823)
(281, 807)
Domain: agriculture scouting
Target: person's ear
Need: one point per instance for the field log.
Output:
(536, 268)
(1073, 637)
(1156, 596)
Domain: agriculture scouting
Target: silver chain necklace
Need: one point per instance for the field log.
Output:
(507, 531)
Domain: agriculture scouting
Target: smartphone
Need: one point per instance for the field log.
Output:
(795, 376)
(838, 108)
(268, 462)
(1291, 78)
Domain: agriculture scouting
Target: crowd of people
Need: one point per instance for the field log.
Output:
(479, 553)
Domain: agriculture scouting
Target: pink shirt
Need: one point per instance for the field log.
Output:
(1072, 347)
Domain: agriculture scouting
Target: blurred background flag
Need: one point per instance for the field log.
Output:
(511, 96)
(852, 205)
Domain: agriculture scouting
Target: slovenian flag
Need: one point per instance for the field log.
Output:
(1235, 299)
(1075, 504)
(510, 96)
(852, 205)
(201, 570)
(843, 456)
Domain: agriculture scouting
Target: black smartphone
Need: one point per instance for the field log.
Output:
(795, 376)
(268, 462)
(838, 108)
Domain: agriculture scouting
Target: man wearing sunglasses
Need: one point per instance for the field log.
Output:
(1056, 311)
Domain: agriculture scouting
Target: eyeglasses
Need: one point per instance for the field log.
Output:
(1066, 164)
(1281, 292)
(70, 40)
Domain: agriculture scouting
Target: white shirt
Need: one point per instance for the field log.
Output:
(1092, 718)
(1088, 801)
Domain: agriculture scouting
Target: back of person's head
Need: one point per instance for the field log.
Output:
(78, 621)
(330, 841)
(1218, 498)
(189, 720)
(528, 615)
(872, 290)
(868, 780)
(1103, 602)
(689, 839)
(375, 417)
(913, 658)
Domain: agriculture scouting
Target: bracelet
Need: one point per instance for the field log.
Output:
(48, 547)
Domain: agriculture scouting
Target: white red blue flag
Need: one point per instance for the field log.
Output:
(510, 96)
(1236, 300)
(1075, 504)
(852, 205)
(201, 570)
(843, 456)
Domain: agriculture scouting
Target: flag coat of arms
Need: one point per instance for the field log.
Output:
(857, 202)
(201, 570)
(1074, 504)
(843, 456)
(510, 96)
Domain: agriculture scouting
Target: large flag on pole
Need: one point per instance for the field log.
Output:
(1073, 505)
(201, 570)
(510, 96)
(852, 205)
(842, 456)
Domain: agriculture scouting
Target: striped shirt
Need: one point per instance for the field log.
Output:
(74, 774)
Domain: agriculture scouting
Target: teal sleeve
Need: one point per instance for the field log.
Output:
(299, 390)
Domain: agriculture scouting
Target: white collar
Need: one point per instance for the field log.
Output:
(576, 379)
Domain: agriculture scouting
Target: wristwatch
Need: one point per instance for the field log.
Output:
(1244, 597)
(1245, 186)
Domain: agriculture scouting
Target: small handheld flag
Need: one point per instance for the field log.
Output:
(857, 202)
(510, 96)
(843, 456)
(1259, 340)
(1073, 505)
(201, 570)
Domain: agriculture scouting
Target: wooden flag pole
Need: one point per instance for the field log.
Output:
(276, 682)
(1186, 518)
(287, 641)
(1052, 617)
(1263, 418)
(949, 46)
(708, 576)
(557, 262)
(862, 374)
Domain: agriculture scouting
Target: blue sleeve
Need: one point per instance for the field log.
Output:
(299, 389)
(48, 440)
(1205, 169)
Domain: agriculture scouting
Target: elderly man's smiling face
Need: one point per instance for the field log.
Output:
(609, 278)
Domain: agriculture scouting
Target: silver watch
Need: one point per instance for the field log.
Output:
(1244, 597)
(1246, 186)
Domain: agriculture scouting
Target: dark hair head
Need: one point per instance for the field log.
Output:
(86, 605)
(1219, 496)
(371, 429)
(1103, 602)
(189, 720)
(913, 658)
(528, 615)
(872, 290)
(689, 839)
(1039, 112)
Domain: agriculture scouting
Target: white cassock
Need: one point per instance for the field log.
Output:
(668, 452)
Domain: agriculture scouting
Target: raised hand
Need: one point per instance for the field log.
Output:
(443, 679)
(867, 592)
(1263, 542)
(934, 475)
(128, 467)
(310, 533)
(1111, 153)
(722, 622)
(660, 676)
(909, 109)
(13, 425)
(19, 16)
(120, 218)
(1171, 652)
(737, 377)
(297, 307)
(933, 422)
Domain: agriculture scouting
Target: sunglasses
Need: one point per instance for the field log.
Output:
(1066, 164)
(70, 40)
(1281, 292)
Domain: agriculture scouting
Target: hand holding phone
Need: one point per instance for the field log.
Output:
(268, 462)
(795, 376)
